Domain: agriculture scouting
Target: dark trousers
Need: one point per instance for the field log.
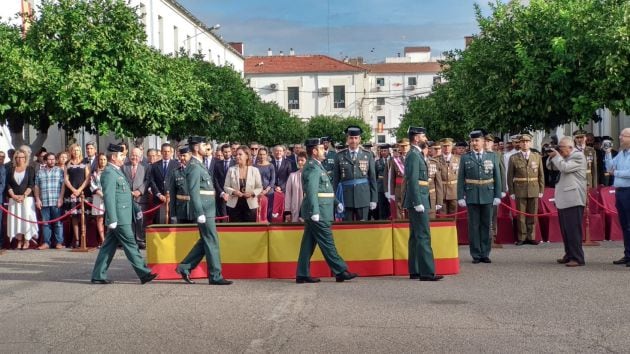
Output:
(383, 207)
(139, 227)
(356, 214)
(123, 235)
(320, 234)
(570, 220)
(207, 246)
(241, 212)
(622, 197)
(221, 207)
(420, 260)
(479, 219)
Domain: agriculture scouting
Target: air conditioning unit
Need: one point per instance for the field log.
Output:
(378, 107)
(273, 86)
(323, 91)
(411, 87)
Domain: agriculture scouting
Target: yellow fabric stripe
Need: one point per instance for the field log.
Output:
(284, 246)
(365, 244)
(443, 242)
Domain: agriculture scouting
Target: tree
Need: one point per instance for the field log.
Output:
(334, 127)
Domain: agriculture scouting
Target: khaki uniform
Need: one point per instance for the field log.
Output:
(435, 185)
(448, 173)
(591, 165)
(394, 184)
(526, 180)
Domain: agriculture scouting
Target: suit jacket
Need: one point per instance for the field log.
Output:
(139, 183)
(116, 196)
(93, 165)
(218, 177)
(520, 169)
(473, 170)
(282, 172)
(158, 181)
(253, 184)
(294, 195)
(570, 190)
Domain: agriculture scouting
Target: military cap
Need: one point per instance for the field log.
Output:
(192, 140)
(184, 150)
(403, 142)
(476, 134)
(598, 139)
(489, 137)
(325, 138)
(384, 146)
(461, 144)
(416, 130)
(353, 130)
(526, 137)
(446, 141)
(115, 148)
(579, 133)
(607, 137)
(515, 138)
(313, 142)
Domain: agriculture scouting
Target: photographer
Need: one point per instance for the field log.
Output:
(570, 198)
(619, 167)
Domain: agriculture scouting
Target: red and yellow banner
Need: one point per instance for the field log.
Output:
(443, 243)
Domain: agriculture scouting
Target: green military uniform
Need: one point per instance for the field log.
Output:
(179, 203)
(119, 209)
(383, 204)
(329, 161)
(202, 202)
(479, 183)
(526, 181)
(319, 199)
(416, 181)
(354, 180)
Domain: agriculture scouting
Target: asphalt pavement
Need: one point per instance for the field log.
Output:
(522, 302)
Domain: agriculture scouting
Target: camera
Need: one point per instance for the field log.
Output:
(548, 148)
(606, 144)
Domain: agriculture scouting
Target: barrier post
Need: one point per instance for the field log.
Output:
(167, 219)
(587, 223)
(83, 241)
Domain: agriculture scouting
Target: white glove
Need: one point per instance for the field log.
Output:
(340, 208)
(496, 201)
(173, 220)
(513, 196)
(274, 215)
(503, 195)
(388, 196)
(462, 203)
(540, 195)
(112, 225)
(139, 215)
(372, 205)
(315, 217)
(201, 219)
(438, 207)
(419, 208)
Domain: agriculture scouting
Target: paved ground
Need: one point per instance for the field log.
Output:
(523, 302)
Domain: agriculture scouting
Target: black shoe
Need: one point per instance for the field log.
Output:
(562, 260)
(302, 280)
(519, 243)
(533, 242)
(485, 260)
(185, 276)
(433, 278)
(221, 282)
(621, 261)
(345, 275)
(101, 281)
(414, 276)
(148, 278)
(476, 261)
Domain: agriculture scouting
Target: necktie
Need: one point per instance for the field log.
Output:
(479, 156)
(354, 155)
(164, 165)
(226, 164)
(133, 172)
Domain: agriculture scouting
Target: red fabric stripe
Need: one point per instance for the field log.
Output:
(364, 226)
(443, 266)
(432, 224)
(230, 271)
(287, 270)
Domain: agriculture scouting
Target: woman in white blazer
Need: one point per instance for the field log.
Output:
(243, 185)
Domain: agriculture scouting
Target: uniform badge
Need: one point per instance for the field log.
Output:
(432, 169)
(331, 161)
(534, 165)
(363, 166)
(488, 166)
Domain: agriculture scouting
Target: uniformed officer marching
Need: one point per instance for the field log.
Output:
(448, 168)
(331, 155)
(118, 217)
(381, 167)
(317, 210)
(178, 191)
(416, 201)
(478, 189)
(526, 183)
(579, 136)
(354, 178)
(202, 203)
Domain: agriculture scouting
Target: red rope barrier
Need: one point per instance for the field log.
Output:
(527, 214)
(602, 205)
(451, 215)
(42, 222)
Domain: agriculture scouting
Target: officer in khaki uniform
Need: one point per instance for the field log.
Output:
(354, 178)
(579, 137)
(202, 203)
(435, 183)
(479, 189)
(317, 211)
(394, 180)
(119, 213)
(526, 183)
(448, 168)
(179, 199)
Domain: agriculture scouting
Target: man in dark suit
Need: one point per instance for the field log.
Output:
(90, 156)
(208, 158)
(158, 180)
(137, 177)
(218, 178)
(283, 168)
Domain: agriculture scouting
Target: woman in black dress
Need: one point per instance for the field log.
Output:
(77, 178)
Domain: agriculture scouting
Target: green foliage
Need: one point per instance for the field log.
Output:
(334, 127)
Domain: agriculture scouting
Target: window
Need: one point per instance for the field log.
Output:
(437, 80)
(293, 94)
(412, 81)
(380, 124)
(380, 101)
(161, 34)
(380, 81)
(175, 40)
(380, 139)
(339, 99)
(380, 120)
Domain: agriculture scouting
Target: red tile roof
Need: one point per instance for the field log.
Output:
(396, 68)
(296, 64)
(417, 49)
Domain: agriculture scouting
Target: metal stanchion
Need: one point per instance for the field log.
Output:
(83, 242)
(167, 219)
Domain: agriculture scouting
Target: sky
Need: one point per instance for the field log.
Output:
(373, 29)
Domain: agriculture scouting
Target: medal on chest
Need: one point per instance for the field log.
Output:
(488, 166)
(363, 166)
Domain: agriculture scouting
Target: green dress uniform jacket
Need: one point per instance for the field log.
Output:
(179, 199)
(119, 208)
(202, 202)
(479, 182)
(319, 199)
(420, 261)
(329, 162)
(380, 166)
(357, 177)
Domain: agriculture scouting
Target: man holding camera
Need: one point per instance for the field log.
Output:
(619, 167)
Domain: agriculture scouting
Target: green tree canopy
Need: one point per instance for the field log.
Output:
(334, 127)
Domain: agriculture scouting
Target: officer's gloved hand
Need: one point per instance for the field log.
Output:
(462, 203)
(112, 225)
(315, 217)
(201, 219)
(540, 195)
(372, 205)
(438, 207)
(419, 208)
(503, 195)
(340, 208)
(496, 201)
(173, 220)
(513, 196)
